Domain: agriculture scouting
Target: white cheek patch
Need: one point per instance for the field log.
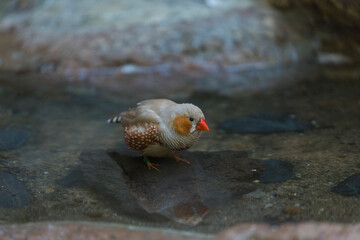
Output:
(192, 129)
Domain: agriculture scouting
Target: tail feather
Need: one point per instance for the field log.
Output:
(115, 119)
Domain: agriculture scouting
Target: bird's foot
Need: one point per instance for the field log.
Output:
(179, 159)
(150, 165)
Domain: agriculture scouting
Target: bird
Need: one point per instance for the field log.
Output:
(161, 128)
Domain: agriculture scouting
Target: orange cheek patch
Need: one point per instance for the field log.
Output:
(182, 125)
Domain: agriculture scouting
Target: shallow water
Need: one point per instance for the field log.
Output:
(69, 137)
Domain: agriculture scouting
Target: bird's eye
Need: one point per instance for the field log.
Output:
(191, 119)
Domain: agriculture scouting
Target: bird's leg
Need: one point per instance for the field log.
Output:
(179, 159)
(149, 164)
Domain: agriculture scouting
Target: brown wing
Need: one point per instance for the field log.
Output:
(147, 111)
(140, 137)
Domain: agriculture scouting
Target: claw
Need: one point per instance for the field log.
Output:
(150, 165)
(179, 159)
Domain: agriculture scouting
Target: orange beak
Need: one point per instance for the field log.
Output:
(202, 126)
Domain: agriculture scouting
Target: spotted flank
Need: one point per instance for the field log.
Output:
(140, 137)
(115, 119)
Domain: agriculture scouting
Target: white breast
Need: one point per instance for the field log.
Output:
(157, 150)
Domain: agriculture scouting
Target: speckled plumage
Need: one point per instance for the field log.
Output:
(140, 137)
(161, 127)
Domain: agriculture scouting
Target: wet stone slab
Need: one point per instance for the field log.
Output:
(276, 171)
(265, 123)
(13, 193)
(183, 193)
(349, 187)
(73, 179)
(12, 138)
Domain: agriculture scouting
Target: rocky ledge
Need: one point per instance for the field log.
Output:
(104, 231)
(62, 35)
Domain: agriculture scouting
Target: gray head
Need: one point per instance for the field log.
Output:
(187, 118)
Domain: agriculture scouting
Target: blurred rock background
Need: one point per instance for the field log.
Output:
(334, 23)
(49, 35)
(55, 36)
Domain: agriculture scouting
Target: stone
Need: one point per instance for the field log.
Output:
(257, 194)
(322, 17)
(265, 123)
(349, 187)
(73, 179)
(13, 193)
(339, 13)
(276, 171)
(292, 210)
(8, 6)
(95, 214)
(210, 179)
(302, 231)
(57, 36)
(190, 213)
(49, 190)
(107, 231)
(86, 230)
(98, 172)
(13, 138)
(183, 193)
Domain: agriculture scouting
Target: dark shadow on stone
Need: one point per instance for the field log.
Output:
(265, 123)
(13, 193)
(349, 187)
(104, 176)
(276, 171)
(210, 179)
(12, 138)
(73, 179)
(183, 193)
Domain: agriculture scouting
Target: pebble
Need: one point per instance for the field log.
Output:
(13, 138)
(349, 187)
(255, 194)
(276, 171)
(95, 214)
(13, 193)
(289, 209)
(49, 190)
